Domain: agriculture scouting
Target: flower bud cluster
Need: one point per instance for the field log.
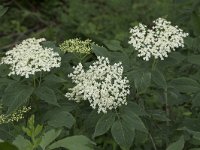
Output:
(14, 117)
(77, 45)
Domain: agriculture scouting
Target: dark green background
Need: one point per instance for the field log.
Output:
(99, 20)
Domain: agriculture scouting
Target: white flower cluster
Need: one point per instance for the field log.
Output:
(102, 85)
(29, 57)
(158, 41)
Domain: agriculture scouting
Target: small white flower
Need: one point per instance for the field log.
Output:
(30, 57)
(158, 41)
(102, 85)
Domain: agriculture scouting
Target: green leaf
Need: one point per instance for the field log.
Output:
(193, 44)
(196, 100)
(27, 131)
(7, 146)
(38, 130)
(78, 142)
(178, 145)
(55, 79)
(100, 51)
(91, 121)
(133, 121)
(50, 44)
(192, 123)
(104, 124)
(30, 129)
(122, 134)
(122, 57)
(194, 59)
(15, 95)
(4, 70)
(132, 106)
(4, 132)
(22, 143)
(49, 137)
(46, 94)
(184, 84)
(3, 10)
(175, 97)
(159, 115)
(195, 23)
(31, 122)
(142, 80)
(37, 141)
(61, 119)
(195, 134)
(66, 106)
(113, 45)
(177, 56)
(5, 81)
(159, 79)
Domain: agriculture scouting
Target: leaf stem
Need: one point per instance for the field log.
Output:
(154, 64)
(34, 83)
(84, 57)
(117, 114)
(114, 145)
(40, 79)
(167, 111)
(153, 142)
(166, 105)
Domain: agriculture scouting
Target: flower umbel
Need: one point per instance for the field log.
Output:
(158, 41)
(30, 57)
(77, 45)
(14, 117)
(102, 85)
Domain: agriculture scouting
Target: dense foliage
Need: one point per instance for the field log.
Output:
(95, 92)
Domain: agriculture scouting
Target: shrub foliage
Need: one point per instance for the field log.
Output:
(157, 110)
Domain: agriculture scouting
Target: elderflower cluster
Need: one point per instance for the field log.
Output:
(102, 85)
(30, 57)
(158, 41)
(77, 45)
(14, 117)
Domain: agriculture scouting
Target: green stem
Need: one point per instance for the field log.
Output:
(166, 106)
(40, 78)
(154, 64)
(77, 57)
(153, 142)
(35, 100)
(117, 114)
(83, 57)
(167, 112)
(114, 145)
(34, 83)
